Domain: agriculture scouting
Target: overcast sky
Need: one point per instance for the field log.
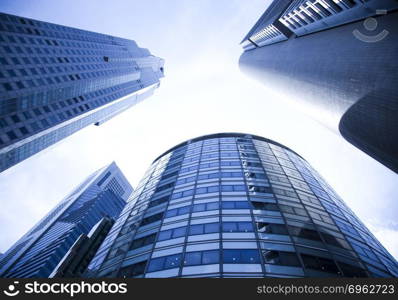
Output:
(203, 92)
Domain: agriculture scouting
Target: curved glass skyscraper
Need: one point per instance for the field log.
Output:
(237, 205)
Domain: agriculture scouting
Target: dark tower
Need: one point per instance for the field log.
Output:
(337, 60)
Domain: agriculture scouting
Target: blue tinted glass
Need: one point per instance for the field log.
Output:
(237, 174)
(204, 176)
(212, 189)
(210, 257)
(239, 188)
(213, 175)
(180, 181)
(231, 256)
(199, 207)
(193, 258)
(171, 213)
(250, 256)
(179, 232)
(164, 235)
(228, 204)
(176, 196)
(187, 193)
(190, 179)
(212, 227)
(196, 229)
(172, 261)
(201, 190)
(229, 227)
(242, 204)
(212, 206)
(183, 210)
(156, 264)
(226, 188)
(245, 226)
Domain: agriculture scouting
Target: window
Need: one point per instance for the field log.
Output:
(319, 263)
(159, 201)
(12, 73)
(23, 72)
(15, 118)
(204, 228)
(133, 270)
(255, 175)
(172, 233)
(202, 258)
(205, 206)
(27, 115)
(352, 271)
(237, 227)
(146, 240)
(265, 206)
(7, 86)
(271, 228)
(3, 61)
(166, 262)
(151, 219)
(259, 189)
(24, 130)
(233, 188)
(281, 258)
(332, 240)
(11, 135)
(293, 210)
(20, 85)
(165, 176)
(304, 233)
(253, 164)
(164, 187)
(210, 189)
(177, 211)
(235, 205)
(241, 256)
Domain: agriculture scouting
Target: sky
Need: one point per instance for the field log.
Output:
(203, 92)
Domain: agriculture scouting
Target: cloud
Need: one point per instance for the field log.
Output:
(386, 233)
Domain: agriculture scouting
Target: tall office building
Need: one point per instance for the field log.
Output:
(75, 261)
(237, 205)
(337, 60)
(56, 80)
(39, 251)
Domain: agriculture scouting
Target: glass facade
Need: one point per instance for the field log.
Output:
(40, 250)
(301, 17)
(56, 80)
(237, 205)
(293, 49)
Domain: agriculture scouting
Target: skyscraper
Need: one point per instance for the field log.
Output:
(337, 61)
(75, 261)
(237, 205)
(38, 252)
(56, 80)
